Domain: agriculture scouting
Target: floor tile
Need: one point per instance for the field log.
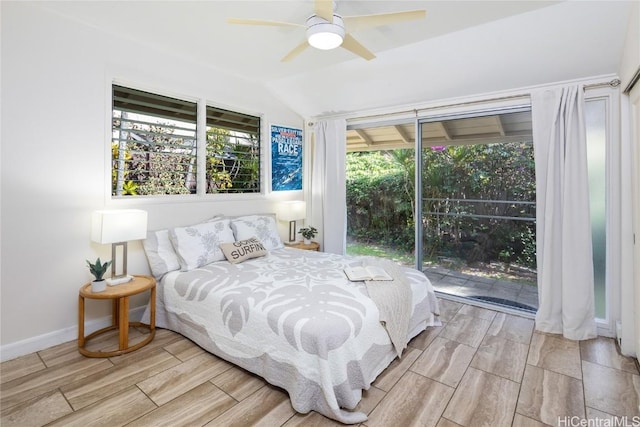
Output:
(604, 351)
(267, 407)
(117, 410)
(479, 312)
(448, 309)
(423, 339)
(513, 328)
(184, 349)
(445, 361)
(501, 357)
(119, 377)
(522, 421)
(197, 406)
(312, 419)
(238, 383)
(483, 399)
(414, 400)
(45, 387)
(370, 399)
(37, 412)
(611, 390)
(466, 329)
(62, 353)
(604, 419)
(37, 383)
(396, 369)
(546, 395)
(555, 353)
(20, 367)
(172, 382)
(446, 423)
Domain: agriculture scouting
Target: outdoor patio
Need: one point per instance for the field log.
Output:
(498, 291)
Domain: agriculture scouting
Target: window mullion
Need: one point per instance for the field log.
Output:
(201, 148)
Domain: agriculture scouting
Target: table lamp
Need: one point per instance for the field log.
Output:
(292, 211)
(118, 227)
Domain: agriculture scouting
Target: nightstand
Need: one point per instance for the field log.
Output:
(313, 246)
(119, 296)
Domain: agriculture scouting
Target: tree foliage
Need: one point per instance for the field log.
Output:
(467, 193)
(150, 159)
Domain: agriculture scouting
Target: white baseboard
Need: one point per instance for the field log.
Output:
(41, 342)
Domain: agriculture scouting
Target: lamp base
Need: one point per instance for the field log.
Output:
(119, 280)
(292, 231)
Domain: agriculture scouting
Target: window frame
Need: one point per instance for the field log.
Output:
(201, 127)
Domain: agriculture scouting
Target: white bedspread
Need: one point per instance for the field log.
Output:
(293, 318)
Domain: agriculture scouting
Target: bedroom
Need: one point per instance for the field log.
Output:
(57, 67)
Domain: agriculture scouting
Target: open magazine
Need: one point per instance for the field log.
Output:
(368, 272)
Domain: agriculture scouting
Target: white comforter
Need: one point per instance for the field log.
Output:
(293, 318)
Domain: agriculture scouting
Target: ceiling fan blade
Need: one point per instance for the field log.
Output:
(262, 22)
(356, 23)
(295, 51)
(324, 9)
(353, 45)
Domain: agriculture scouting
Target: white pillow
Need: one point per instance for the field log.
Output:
(160, 253)
(261, 226)
(199, 244)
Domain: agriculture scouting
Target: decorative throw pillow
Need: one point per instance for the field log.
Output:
(242, 250)
(160, 253)
(199, 244)
(263, 227)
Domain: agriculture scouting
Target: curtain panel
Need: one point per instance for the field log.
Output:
(328, 189)
(563, 225)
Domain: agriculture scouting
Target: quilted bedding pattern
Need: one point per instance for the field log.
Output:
(293, 318)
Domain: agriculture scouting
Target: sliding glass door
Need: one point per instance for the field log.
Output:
(478, 207)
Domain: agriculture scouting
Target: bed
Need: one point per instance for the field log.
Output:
(288, 315)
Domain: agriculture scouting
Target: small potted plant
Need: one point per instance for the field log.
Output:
(98, 269)
(308, 233)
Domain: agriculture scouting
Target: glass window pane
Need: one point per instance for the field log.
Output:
(595, 117)
(153, 144)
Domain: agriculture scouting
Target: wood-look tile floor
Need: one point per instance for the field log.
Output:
(481, 368)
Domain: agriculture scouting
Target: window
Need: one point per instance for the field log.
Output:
(233, 152)
(155, 149)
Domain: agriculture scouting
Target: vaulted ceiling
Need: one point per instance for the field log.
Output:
(461, 48)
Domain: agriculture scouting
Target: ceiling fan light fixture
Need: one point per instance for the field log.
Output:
(325, 35)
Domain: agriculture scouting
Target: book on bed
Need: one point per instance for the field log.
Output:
(368, 272)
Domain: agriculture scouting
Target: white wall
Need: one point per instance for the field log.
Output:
(56, 77)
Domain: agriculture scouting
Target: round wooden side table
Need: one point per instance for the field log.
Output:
(119, 296)
(312, 246)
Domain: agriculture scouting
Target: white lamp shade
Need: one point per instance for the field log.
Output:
(292, 211)
(118, 225)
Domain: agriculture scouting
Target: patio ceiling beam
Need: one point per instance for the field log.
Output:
(403, 135)
(444, 130)
(362, 134)
(498, 121)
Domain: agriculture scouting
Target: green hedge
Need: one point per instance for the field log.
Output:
(380, 201)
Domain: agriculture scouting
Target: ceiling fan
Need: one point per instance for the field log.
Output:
(328, 30)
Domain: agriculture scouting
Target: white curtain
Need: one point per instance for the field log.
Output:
(328, 189)
(563, 226)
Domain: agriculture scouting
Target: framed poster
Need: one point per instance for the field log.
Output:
(286, 158)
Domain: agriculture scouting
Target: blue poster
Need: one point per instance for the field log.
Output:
(286, 158)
